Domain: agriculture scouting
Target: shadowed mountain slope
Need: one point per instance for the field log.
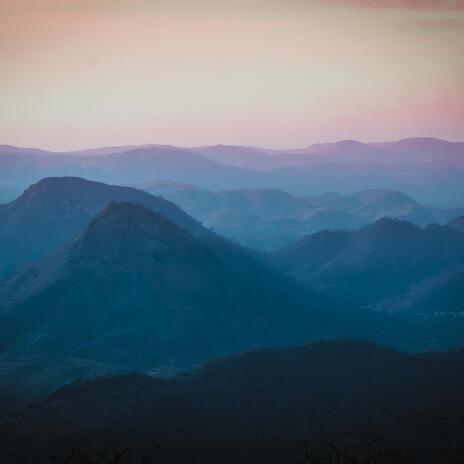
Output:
(440, 295)
(379, 261)
(55, 209)
(134, 290)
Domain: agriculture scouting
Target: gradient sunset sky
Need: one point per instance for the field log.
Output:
(287, 73)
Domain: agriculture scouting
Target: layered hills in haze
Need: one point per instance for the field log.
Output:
(430, 170)
(268, 219)
(141, 285)
(114, 303)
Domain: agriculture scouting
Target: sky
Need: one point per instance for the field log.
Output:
(272, 73)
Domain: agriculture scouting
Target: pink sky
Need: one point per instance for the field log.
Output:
(274, 73)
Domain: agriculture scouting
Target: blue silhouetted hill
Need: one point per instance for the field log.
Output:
(55, 209)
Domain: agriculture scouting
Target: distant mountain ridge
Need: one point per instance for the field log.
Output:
(268, 219)
(428, 169)
(424, 148)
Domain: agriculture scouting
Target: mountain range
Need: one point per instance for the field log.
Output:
(137, 286)
(268, 219)
(108, 278)
(130, 332)
(389, 259)
(135, 291)
(430, 170)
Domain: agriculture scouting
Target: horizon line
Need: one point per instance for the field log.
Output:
(148, 145)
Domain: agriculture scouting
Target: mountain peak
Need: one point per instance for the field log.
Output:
(56, 190)
(128, 214)
(349, 143)
(343, 148)
(55, 182)
(133, 227)
(389, 225)
(384, 196)
(67, 196)
(421, 140)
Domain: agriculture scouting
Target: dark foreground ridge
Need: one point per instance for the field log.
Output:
(271, 405)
